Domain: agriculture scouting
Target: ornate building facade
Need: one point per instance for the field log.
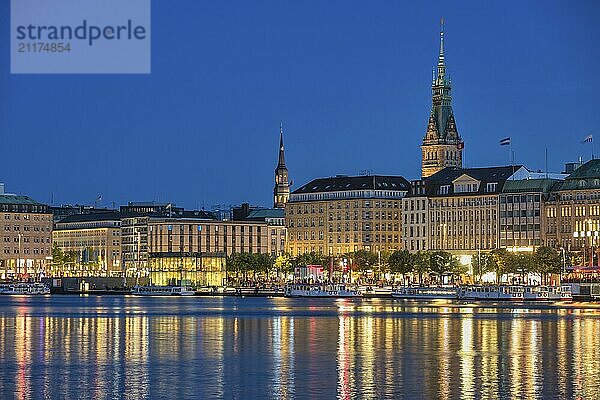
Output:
(456, 210)
(344, 214)
(572, 213)
(96, 240)
(26, 237)
(442, 145)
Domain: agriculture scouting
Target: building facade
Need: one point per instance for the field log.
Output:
(344, 214)
(442, 145)
(521, 208)
(415, 221)
(572, 213)
(151, 241)
(194, 249)
(95, 239)
(456, 210)
(26, 237)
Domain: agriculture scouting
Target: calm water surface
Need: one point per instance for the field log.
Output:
(106, 347)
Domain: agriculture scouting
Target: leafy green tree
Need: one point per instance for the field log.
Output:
(482, 264)
(422, 264)
(443, 262)
(438, 262)
(312, 258)
(547, 261)
(520, 263)
(57, 255)
(364, 260)
(402, 262)
(498, 262)
(62, 260)
(456, 268)
(233, 263)
(283, 264)
(384, 261)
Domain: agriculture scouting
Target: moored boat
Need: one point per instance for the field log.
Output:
(376, 291)
(426, 293)
(560, 293)
(327, 290)
(163, 291)
(491, 292)
(536, 293)
(24, 289)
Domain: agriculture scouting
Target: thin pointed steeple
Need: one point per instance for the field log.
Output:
(281, 149)
(441, 66)
(442, 145)
(281, 191)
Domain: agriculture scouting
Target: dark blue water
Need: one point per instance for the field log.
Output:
(105, 347)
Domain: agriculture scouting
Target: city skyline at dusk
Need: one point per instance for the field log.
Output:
(352, 86)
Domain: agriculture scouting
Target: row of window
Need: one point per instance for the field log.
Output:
(35, 251)
(463, 202)
(26, 239)
(306, 208)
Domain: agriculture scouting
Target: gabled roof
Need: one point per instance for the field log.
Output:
(585, 177)
(590, 169)
(470, 178)
(344, 183)
(485, 175)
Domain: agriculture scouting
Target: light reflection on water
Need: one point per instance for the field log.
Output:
(128, 347)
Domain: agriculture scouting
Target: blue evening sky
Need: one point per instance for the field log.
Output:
(349, 79)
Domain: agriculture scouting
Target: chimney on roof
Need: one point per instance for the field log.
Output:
(1, 188)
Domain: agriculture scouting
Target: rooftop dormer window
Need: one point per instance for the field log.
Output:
(466, 187)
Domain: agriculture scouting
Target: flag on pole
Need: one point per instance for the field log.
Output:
(505, 141)
(588, 139)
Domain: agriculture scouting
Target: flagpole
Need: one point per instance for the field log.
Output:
(546, 161)
(512, 159)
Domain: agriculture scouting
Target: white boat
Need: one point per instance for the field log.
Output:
(163, 291)
(425, 293)
(327, 290)
(206, 290)
(560, 293)
(491, 292)
(376, 291)
(536, 293)
(24, 289)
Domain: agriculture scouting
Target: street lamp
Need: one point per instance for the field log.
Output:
(19, 259)
(564, 263)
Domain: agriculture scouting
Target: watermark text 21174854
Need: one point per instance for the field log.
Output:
(47, 47)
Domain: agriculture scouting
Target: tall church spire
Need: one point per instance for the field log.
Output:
(442, 145)
(281, 191)
(281, 150)
(441, 67)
